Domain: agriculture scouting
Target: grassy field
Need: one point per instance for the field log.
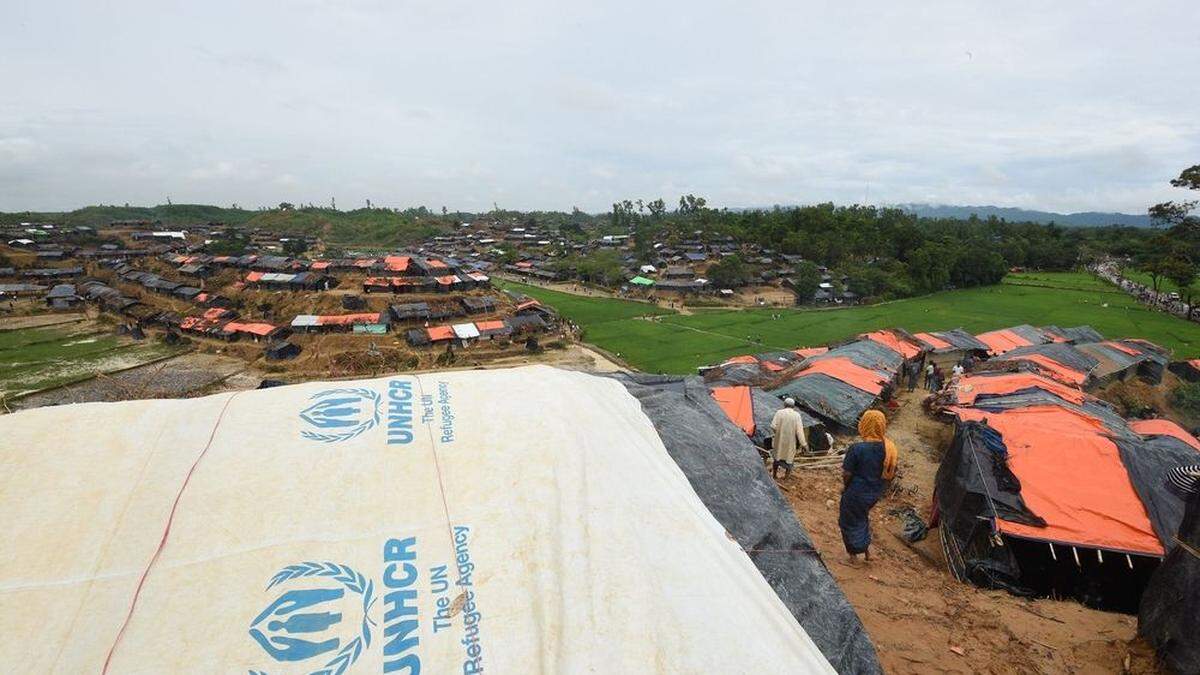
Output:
(673, 343)
(33, 359)
(1164, 285)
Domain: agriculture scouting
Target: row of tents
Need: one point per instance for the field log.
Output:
(1046, 490)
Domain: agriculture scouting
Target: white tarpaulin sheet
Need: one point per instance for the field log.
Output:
(508, 521)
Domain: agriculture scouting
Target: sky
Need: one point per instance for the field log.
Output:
(554, 104)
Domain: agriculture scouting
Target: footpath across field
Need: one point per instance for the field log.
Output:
(656, 340)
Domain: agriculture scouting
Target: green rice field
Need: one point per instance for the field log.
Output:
(33, 359)
(661, 341)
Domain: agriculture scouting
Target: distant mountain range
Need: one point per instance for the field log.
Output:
(1011, 214)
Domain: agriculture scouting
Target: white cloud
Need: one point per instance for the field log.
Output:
(541, 104)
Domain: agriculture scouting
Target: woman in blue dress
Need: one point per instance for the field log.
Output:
(866, 469)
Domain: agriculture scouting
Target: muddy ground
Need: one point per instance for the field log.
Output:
(919, 617)
(184, 376)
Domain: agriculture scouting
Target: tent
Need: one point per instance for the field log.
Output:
(1161, 427)
(1189, 370)
(641, 281)
(751, 410)
(956, 340)
(1008, 339)
(1061, 361)
(325, 526)
(1171, 602)
(840, 384)
(898, 341)
(1047, 492)
(1122, 359)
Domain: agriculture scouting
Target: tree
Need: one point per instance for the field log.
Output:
(729, 272)
(1182, 272)
(805, 280)
(1177, 215)
(295, 247)
(286, 206)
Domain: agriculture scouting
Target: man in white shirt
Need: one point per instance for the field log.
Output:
(787, 435)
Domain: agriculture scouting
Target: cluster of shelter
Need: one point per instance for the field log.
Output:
(672, 267)
(438, 312)
(1046, 489)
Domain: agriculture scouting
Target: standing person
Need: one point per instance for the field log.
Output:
(929, 369)
(868, 465)
(787, 434)
(958, 370)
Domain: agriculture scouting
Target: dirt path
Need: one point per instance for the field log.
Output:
(922, 620)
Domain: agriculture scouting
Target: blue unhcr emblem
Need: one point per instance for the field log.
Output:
(295, 627)
(341, 414)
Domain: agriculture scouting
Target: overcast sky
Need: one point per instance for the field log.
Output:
(1065, 106)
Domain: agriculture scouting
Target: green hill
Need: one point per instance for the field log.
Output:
(370, 227)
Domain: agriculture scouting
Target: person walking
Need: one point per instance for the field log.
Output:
(914, 372)
(929, 368)
(787, 435)
(868, 466)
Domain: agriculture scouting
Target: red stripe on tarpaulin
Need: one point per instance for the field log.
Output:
(162, 542)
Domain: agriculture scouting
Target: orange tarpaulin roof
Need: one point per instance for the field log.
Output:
(320, 265)
(254, 276)
(449, 280)
(1072, 477)
(436, 263)
(893, 342)
(489, 325)
(971, 387)
(805, 352)
(215, 313)
(1164, 428)
(346, 319)
(1001, 341)
(844, 370)
(933, 341)
(396, 263)
(527, 304)
(744, 358)
(440, 333)
(261, 329)
(364, 262)
(772, 366)
(1055, 369)
(1122, 348)
(738, 406)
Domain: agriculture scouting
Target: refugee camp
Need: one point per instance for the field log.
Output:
(588, 338)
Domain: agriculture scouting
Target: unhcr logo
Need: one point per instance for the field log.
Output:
(341, 414)
(305, 624)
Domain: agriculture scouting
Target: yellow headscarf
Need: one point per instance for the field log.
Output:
(871, 428)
